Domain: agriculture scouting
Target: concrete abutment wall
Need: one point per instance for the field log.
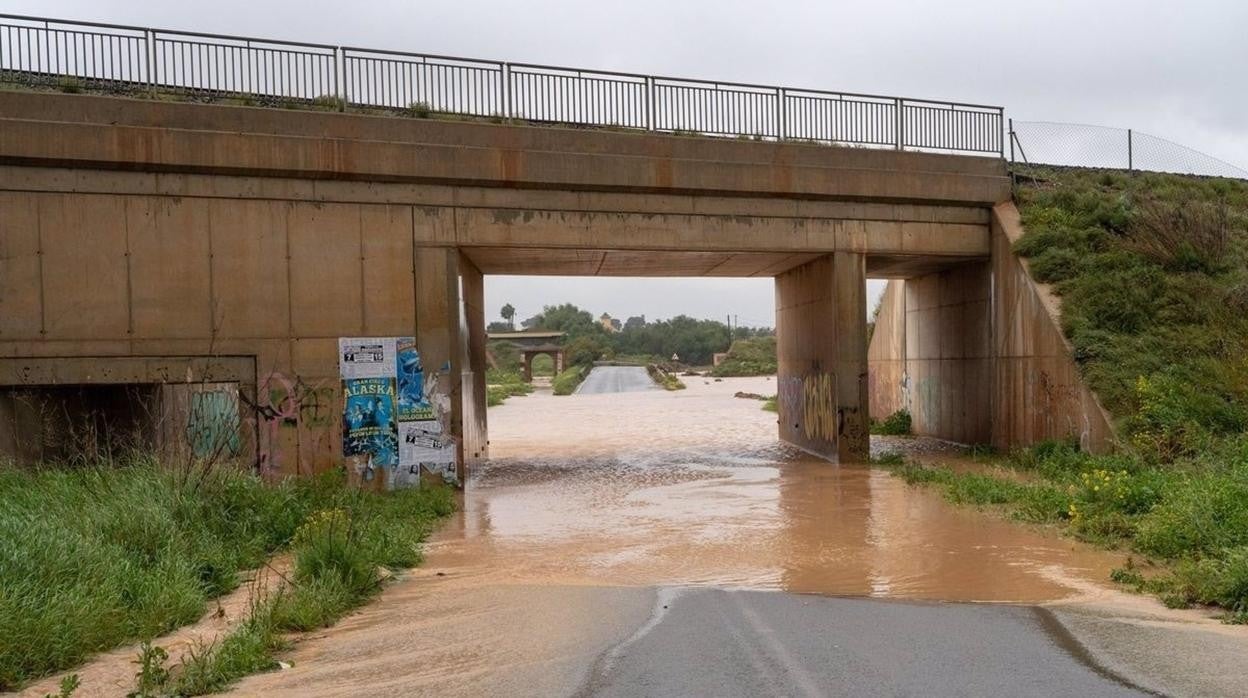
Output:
(977, 355)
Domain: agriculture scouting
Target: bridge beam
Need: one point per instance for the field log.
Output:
(821, 339)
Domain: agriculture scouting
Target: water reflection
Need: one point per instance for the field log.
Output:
(661, 488)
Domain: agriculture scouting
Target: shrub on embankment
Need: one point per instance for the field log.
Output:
(501, 385)
(95, 557)
(1152, 271)
(666, 380)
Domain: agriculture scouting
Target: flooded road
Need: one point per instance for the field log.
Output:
(616, 379)
(693, 487)
(598, 515)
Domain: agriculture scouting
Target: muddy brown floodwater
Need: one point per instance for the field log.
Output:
(591, 502)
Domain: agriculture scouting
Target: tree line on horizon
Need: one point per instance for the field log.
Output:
(587, 339)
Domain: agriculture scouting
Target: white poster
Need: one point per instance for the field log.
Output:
(423, 442)
(366, 357)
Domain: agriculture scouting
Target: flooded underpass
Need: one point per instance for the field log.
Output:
(605, 526)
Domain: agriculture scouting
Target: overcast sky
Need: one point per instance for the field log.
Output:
(1174, 69)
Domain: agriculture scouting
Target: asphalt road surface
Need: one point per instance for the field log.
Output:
(616, 379)
(704, 642)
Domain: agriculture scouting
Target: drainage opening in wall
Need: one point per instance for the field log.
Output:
(91, 423)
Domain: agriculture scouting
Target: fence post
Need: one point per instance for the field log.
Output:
(1130, 152)
(900, 124)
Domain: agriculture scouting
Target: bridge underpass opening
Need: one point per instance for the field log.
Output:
(821, 307)
(697, 487)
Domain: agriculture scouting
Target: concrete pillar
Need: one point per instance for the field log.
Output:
(439, 336)
(473, 361)
(822, 351)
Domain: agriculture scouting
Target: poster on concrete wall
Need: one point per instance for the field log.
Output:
(413, 405)
(369, 426)
(394, 415)
(366, 357)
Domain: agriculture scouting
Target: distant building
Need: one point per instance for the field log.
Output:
(609, 323)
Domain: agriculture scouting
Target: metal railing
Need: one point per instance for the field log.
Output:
(73, 55)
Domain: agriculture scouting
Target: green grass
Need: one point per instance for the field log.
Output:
(1152, 270)
(1189, 515)
(895, 424)
(566, 382)
(338, 555)
(95, 557)
(771, 404)
(504, 384)
(749, 357)
(665, 379)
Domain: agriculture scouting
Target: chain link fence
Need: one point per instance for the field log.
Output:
(1081, 145)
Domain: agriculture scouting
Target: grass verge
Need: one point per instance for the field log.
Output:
(567, 381)
(1188, 519)
(96, 557)
(341, 557)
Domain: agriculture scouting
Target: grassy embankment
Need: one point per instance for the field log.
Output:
(749, 357)
(96, 557)
(568, 379)
(1153, 274)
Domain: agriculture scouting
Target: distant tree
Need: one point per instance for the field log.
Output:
(499, 327)
(635, 323)
(565, 318)
(509, 314)
(585, 350)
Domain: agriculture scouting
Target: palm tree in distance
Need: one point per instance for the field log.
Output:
(509, 314)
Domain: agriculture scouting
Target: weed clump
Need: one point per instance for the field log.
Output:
(895, 424)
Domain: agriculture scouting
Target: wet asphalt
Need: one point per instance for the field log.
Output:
(717, 642)
(616, 379)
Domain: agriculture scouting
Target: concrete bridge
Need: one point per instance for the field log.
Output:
(175, 248)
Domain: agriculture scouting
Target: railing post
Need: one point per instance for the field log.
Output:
(779, 113)
(149, 40)
(1130, 151)
(649, 103)
(900, 123)
(340, 88)
(507, 106)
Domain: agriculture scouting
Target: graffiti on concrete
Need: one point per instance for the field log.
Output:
(290, 405)
(819, 406)
(1059, 401)
(212, 424)
(809, 402)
